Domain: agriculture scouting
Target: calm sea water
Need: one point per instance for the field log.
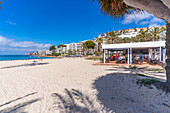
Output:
(19, 57)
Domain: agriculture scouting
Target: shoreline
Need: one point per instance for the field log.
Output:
(50, 56)
(22, 60)
(26, 59)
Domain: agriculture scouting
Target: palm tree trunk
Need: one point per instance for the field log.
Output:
(99, 48)
(168, 52)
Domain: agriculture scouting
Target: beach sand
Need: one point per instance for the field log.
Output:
(75, 85)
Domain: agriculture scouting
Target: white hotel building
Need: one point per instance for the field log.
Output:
(128, 35)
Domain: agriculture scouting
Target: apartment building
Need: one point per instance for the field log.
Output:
(79, 48)
(128, 35)
(73, 46)
(44, 52)
(61, 50)
(67, 47)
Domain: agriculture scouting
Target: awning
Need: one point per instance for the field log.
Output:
(134, 45)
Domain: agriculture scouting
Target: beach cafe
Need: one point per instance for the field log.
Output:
(131, 53)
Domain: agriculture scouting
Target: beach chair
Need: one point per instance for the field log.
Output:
(123, 60)
(118, 61)
(107, 60)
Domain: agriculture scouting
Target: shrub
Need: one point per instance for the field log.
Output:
(89, 54)
(53, 54)
(96, 53)
(147, 82)
(142, 75)
(57, 54)
(156, 70)
(133, 67)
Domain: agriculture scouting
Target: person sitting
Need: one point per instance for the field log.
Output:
(124, 59)
(141, 58)
(117, 55)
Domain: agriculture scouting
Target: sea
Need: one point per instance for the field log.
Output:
(19, 57)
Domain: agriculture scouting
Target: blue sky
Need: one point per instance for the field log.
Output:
(30, 25)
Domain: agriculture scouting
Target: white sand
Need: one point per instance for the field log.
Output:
(35, 88)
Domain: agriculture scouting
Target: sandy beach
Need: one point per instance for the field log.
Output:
(76, 85)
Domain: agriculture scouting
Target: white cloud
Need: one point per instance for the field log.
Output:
(144, 22)
(142, 19)
(136, 17)
(10, 22)
(153, 25)
(22, 46)
(4, 41)
(156, 20)
(28, 44)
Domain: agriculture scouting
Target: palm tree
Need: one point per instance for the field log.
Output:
(1, 3)
(113, 34)
(52, 48)
(109, 41)
(155, 33)
(134, 39)
(159, 8)
(112, 38)
(143, 37)
(75, 52)
(70, 52)
(83, 50)
(126, 40)
(78, 51)
(99, 41)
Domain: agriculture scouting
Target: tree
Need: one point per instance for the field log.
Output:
(70, 52)
(83, 50)
(75, 52)
(89, 45)
(97, 53)
(113, 38)
(52, 48)
(126, 40)
(113, 34)
(99, 41)
(142, 37)
(61, 46)
(159, 8)
(155, 33)
(135, 29)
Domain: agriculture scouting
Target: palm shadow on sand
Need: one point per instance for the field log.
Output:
(120, 93)
(137, 70)
(19, 108)
(24, 65)
(74, 101)
(17, 99)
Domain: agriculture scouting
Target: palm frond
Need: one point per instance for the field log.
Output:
(115, 8)
(1, 3)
